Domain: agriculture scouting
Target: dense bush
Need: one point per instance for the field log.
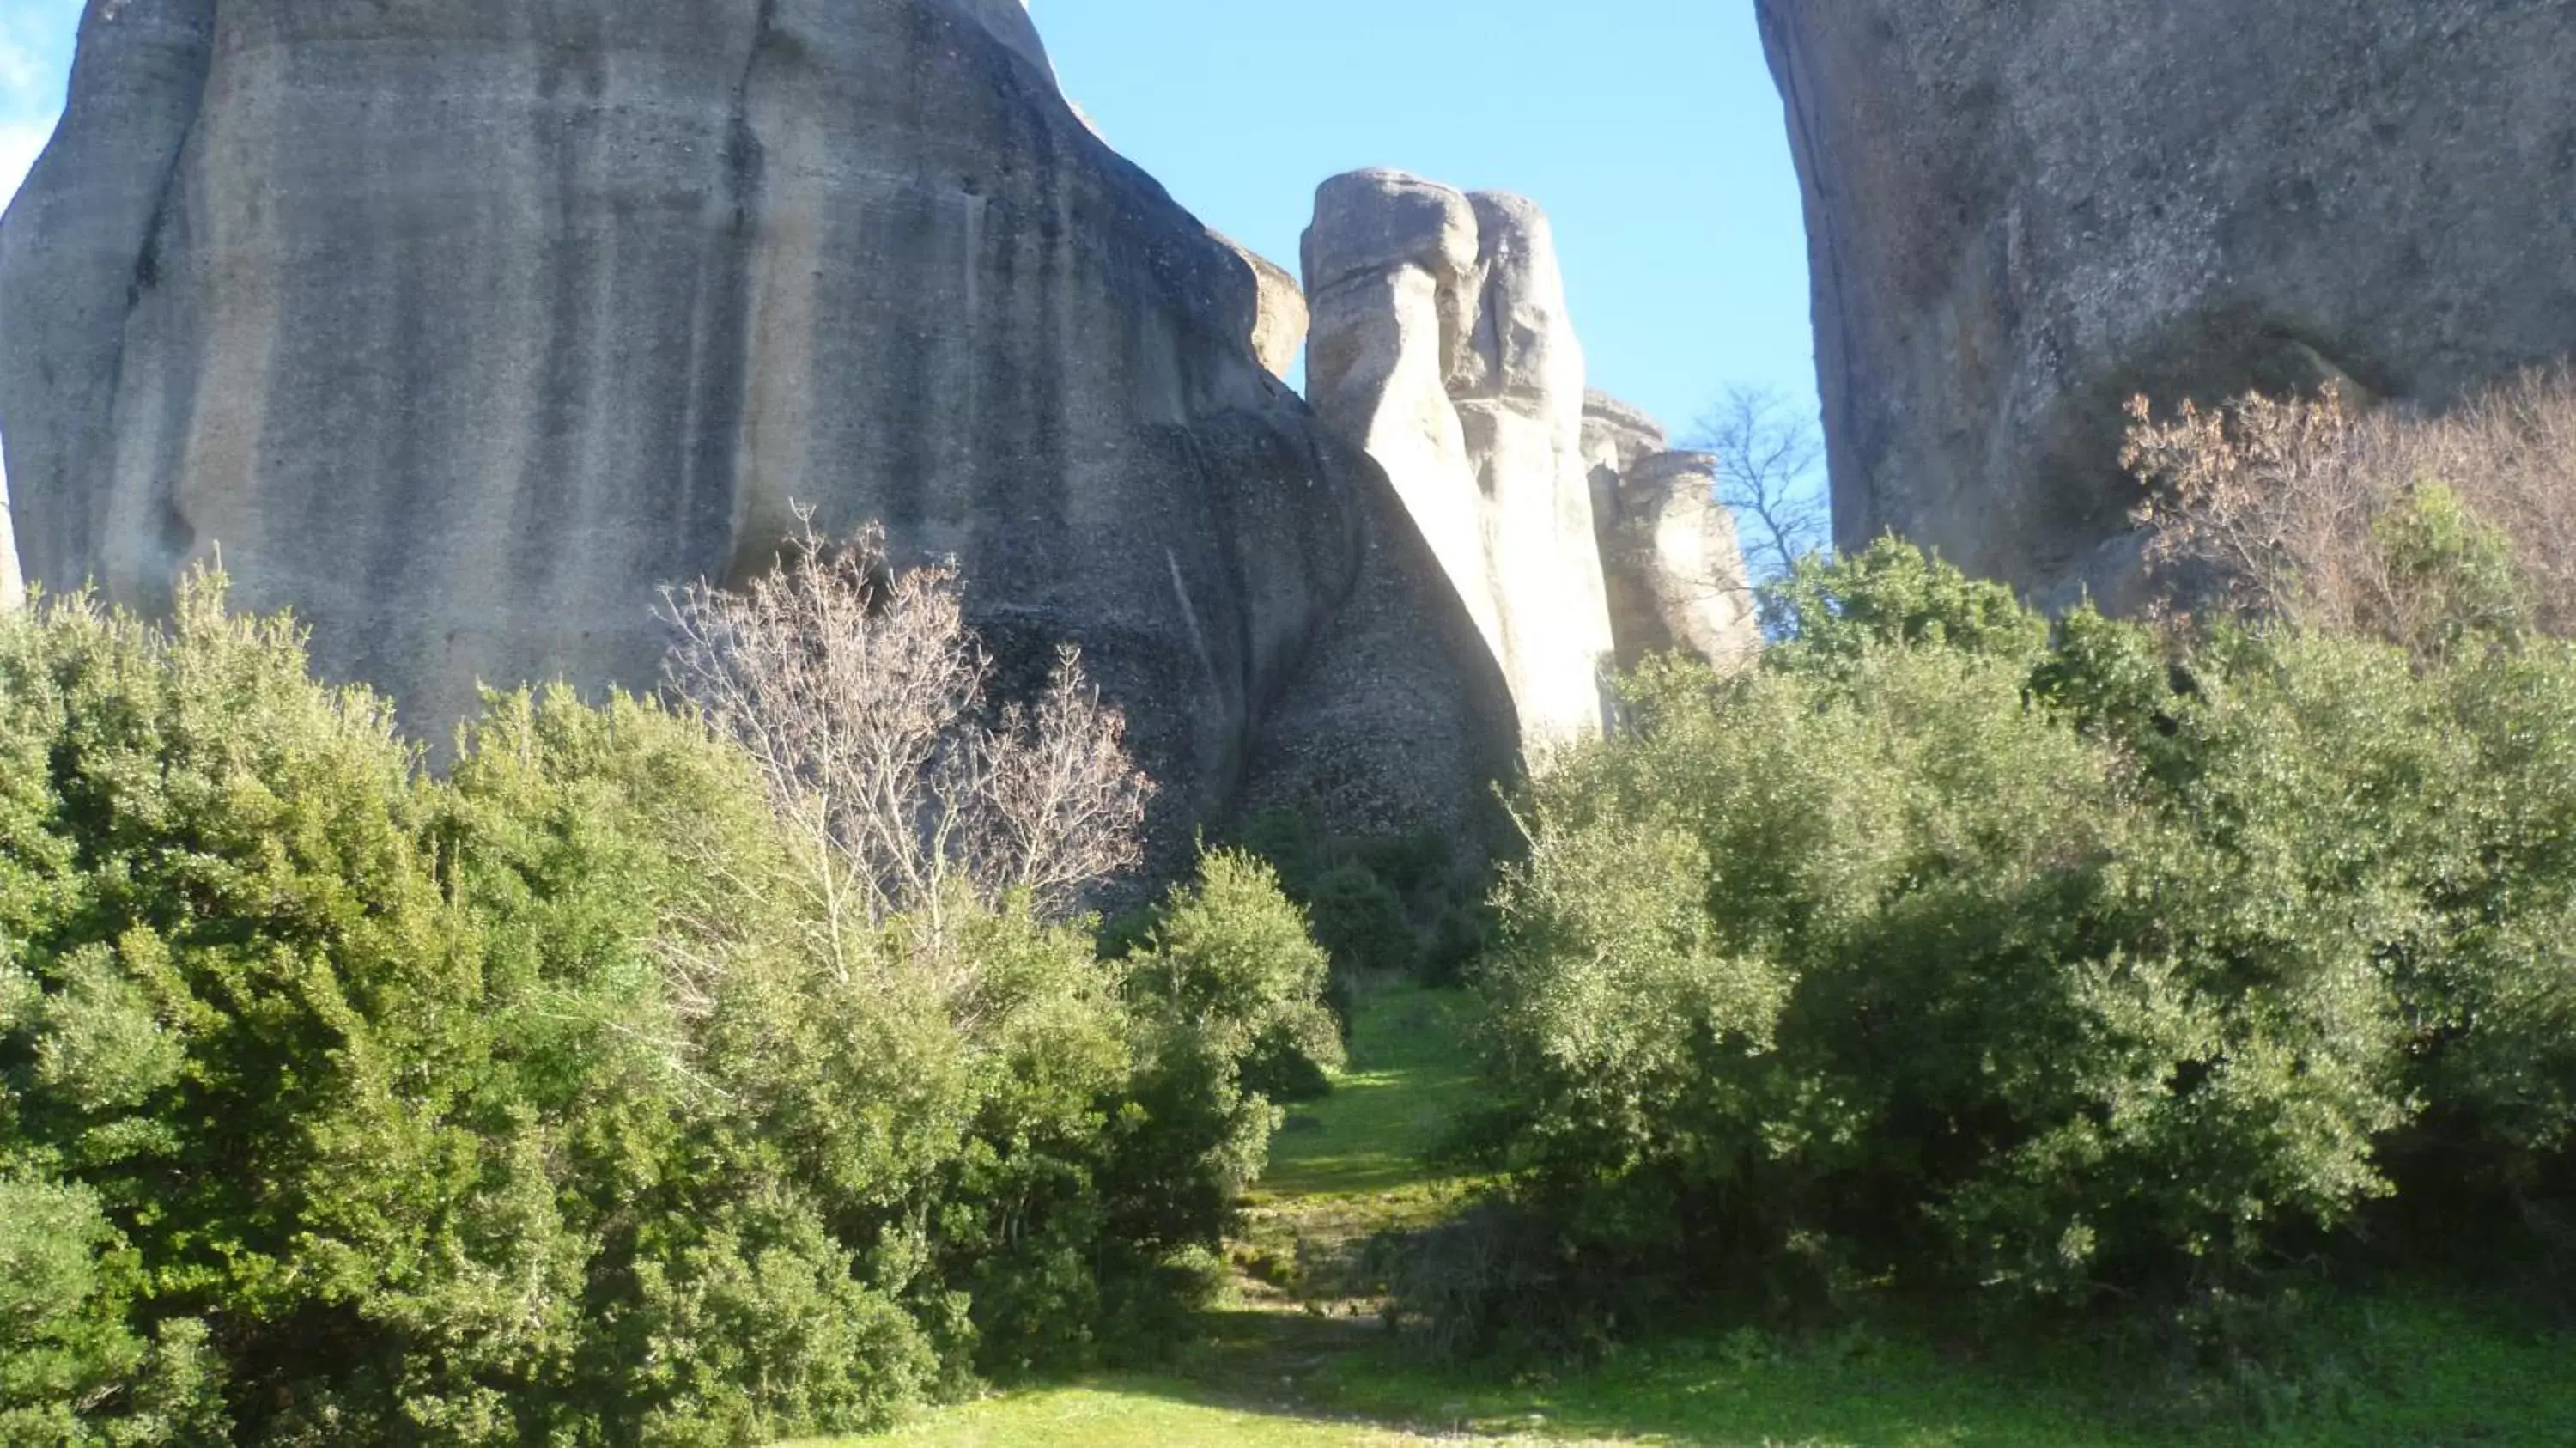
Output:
(2067, 972)
(1399, 905)
(543, 1102)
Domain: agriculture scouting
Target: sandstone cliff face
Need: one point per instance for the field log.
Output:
(2024, 211)
(1441, 345)
(461, 326)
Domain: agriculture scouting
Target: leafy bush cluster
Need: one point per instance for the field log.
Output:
(1405, 905)
(541, 1103)
(2072, 970)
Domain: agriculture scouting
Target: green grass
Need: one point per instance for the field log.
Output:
(1409, 1082)
(2442, 1378)
(1299, 1361)
(1115, 1412)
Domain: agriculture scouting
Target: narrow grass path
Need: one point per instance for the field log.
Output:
(1362, 1161)
(1299, 1359)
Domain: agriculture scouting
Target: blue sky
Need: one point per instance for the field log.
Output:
(35, 55)
(1647, 128)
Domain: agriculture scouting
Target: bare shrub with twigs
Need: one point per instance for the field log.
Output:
(2282, 506)
(860, 691)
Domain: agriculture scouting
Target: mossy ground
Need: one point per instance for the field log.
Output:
(1298, 1357)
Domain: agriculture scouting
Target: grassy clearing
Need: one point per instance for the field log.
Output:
(1409, 1081)
(2433, 1378)
(1298, 1361)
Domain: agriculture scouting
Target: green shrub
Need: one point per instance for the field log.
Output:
(2063, 974)
(555, 1100)
(1401, 904)
(1238, 982)
(1363, 924)
(1830, 612)
(72, 1369)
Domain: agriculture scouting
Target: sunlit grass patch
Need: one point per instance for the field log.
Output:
(1411, 1079)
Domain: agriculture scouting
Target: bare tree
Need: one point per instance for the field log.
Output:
(1767, 454)
(860, 692)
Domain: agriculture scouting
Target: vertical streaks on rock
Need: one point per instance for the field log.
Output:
(80, 250)
(463, 326)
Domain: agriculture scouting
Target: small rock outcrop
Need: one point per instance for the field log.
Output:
(1676, 572)
(2023, 214)
(1441, 345)
(461, 327)
(1669, 553)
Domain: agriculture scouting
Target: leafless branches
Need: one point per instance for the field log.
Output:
(2275, 506)
(1767, 454)
(860, 692)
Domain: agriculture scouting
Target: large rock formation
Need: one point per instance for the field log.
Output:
(1441, 345)
(1676, 572)
(461, 326)
(2024, 211)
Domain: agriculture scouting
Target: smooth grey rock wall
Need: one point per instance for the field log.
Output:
(1441, 345)
(462, 326)
(2022, 212)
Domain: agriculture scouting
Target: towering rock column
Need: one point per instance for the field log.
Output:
(1677, 575)
(1441, 345)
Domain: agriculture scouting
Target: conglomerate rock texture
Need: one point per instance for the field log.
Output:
(2023, 212)
(1441, 345)
(463, 326)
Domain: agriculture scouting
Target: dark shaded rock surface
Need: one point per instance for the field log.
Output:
(462, 326)
(2022, 212)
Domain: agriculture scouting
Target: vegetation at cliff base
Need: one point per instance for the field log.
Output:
(1967, 1027)
(2129, 981)
(564, 1097)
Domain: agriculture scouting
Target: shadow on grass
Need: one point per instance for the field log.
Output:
(2399, 1370)
(1318, 1371)
(1733, 1393)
